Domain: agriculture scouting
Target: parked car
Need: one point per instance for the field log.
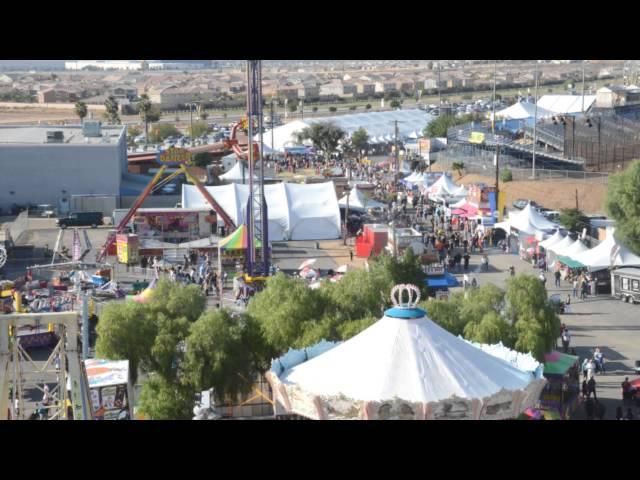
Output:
(552, 215)
(81, 219)
(521, 203)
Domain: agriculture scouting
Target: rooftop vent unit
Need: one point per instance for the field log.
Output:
(92, 128)
(55, 136)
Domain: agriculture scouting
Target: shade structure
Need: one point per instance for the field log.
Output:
(522, 111)
(569, 262)
(559, 247)
(359, 201)
(237, 173)
(530, 221)
(403, 366)
(574, 249)
(609, 253)
(443, 186)
(442, 281)
(556, 237)
(557, 363)
(238, 240)
(295, 211)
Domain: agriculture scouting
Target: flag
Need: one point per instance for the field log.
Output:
(76, 245)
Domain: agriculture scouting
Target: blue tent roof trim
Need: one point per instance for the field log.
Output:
(397, 312)
(442, 281)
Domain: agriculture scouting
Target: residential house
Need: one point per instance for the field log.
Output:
(53, 95)
(617, 96)
(365, 88)
(309, 91)
(288, 92)
(334, 88)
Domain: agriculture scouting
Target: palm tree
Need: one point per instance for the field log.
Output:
(458, 167)
(81, 110)
(112, 110)
(144, 106)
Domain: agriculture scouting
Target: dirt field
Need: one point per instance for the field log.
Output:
(553, 194)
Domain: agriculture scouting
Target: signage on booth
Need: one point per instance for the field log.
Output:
(476, 137)
(434, 270)
(174, 156)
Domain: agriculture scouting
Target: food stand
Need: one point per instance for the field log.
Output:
(110, 389)
(439, 281)
(562, 392)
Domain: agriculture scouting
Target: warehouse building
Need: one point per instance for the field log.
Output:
(51, 164)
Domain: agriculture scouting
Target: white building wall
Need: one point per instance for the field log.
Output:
(39, 173)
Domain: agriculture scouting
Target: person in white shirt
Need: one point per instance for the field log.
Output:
(591, 367)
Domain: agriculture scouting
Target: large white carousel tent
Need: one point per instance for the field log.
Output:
(402, 367)
(296, 212)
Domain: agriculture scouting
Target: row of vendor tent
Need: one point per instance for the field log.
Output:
(295, 211)
(524, 110)
(528, 221)
(609, 253)
(444, 187)
(359, 201)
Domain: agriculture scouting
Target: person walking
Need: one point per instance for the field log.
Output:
(584, 290)
(585, 364)
(575, 288)
(557, 277)
(585, 389)
(598, 356)
(351, 255)
(626, 391)
(591, 388)
(566, 339)
(543, 279)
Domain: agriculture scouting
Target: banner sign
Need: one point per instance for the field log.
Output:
(174, 156)
(476, 137)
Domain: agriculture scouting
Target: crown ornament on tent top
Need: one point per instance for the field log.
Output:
(408, 309)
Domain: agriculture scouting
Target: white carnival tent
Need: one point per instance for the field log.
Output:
(575, 248)
(404, 366)
(558, 248)
(523, 111)
(556, 237)
(295, 211)
(235, 174)
(444, 186)
(609, 253)
(528, 221)
(359, 202)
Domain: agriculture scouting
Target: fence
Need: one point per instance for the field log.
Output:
(19, 226)
(483, 165)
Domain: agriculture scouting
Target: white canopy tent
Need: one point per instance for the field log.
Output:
(575, 248)
(359, 202)
(609, 253)
(443, 186)
(235, 174)
(556, 237)
(528, 221)
(558, 248)
(295, 211)
(566, 104)
(403, 366)
(523, 111)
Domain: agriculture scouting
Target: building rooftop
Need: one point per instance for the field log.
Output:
(72, 135)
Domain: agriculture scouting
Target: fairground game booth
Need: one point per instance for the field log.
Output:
(561, 394)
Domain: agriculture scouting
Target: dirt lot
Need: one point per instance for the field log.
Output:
(553, 194)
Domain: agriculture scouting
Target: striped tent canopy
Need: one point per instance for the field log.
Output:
(237, 240)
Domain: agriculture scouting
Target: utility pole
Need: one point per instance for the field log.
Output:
(272, 124)
(583, 87)
(577, 199)
(346, 216)
(493, 131)
(535, 124)
(439, 92)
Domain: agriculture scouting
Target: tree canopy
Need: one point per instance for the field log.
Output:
(162, 131)
(198, 129)
(325, 136)
(623, 205)
(439, 126)
(360, 139)
(572, 219)
(112, 107)
(81, 110)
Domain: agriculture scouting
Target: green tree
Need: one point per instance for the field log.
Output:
(446, 313)
(284, 310)
(133, 131)
(224, 353)
(333, 109)
(353, 107)
(325, 136)
(202, 159)
(144, 108)
(439, 126)
(458, 167)
(360, 139)
(623, 205)
(491, 329)
(394, 104)
(164, 400)
(292, 106)
(368, 106)
(81, 110)
(125, 331)
(528, 309)
(111, 113)
(162, 131)
(199, 129)
(572, 219)
(314, 109)
(506, 175)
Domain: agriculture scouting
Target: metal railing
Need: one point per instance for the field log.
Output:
(483, 165)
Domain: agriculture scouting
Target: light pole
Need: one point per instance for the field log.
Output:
(583, 87)
(535, 124)
(493, 131)
(346, 216)
(191, 105)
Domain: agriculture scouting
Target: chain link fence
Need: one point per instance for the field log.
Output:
(484, 165)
